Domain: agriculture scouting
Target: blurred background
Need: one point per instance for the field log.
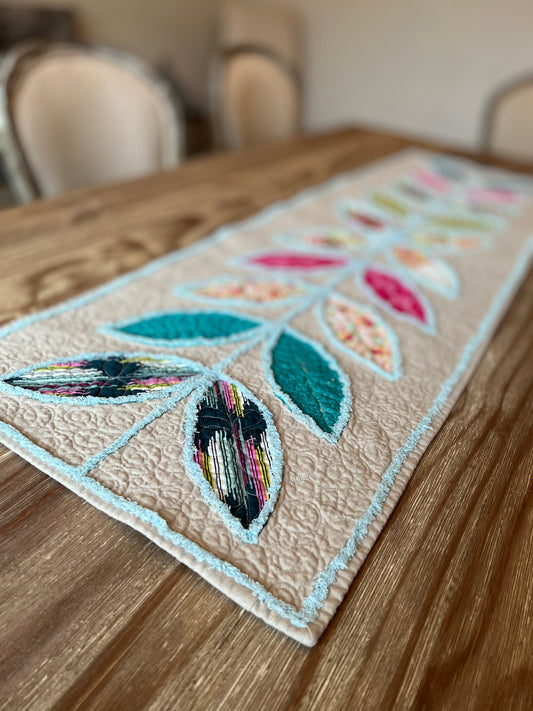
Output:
(249, 72)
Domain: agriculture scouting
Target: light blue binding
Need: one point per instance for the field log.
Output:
(312, 604)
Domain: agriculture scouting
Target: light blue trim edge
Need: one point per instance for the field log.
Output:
(346, 404)
(325, 579)
(250, 534)
(393, 338)
(312, 604)
(429, 327)
(113, 330)
(86, 400)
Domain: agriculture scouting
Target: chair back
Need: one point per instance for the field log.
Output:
(508, 126)
(255, 87)
(75, 116)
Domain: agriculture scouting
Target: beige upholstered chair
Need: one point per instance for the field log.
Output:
(73, 116)
(255, 85)
(508, 127)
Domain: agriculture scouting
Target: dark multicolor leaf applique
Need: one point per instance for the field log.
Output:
(397, 296)
(309, 381)
(236, 452)
(186, 328)
(104, 377)
(361, 332)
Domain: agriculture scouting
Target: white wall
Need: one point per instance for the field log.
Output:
(178, 32)
(421, 67)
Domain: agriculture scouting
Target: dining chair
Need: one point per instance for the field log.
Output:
(255, 86)
(508, 122)
(73, 115)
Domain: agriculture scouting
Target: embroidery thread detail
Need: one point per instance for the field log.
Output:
(232, 451)
(101, 378)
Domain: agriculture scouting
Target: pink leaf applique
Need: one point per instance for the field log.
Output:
(391, 292)
(294, 261)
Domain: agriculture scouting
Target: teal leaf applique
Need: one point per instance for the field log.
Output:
(310, 382)
(233, 453)
(185, 328)
(95, 378)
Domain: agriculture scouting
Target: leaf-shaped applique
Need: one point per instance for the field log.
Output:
(397, 296)
(239, 290)
(460, 223)
(446, 243)
(234, 454)
(361, 332)
(334, 238)
(309, 382)
(415, 194)
(391, 204)
(185, 328)
(493, 200)
(434, 182)
(103, 377)
(452, 169)
(364, 217)
(427, 271)
(295, 261)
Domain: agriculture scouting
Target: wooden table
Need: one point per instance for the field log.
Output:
(94, 616)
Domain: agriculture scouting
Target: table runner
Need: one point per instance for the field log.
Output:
(255, 404)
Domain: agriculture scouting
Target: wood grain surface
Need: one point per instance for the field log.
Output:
(94, 616)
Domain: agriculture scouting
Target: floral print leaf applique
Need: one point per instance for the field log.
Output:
(310, 382)
(103, 378)
(426, 270)
(364, 217)
(247, 290)
(233, 453)
(358, 330)
(442, 242)
(185, 328)
(392, 292)
(304, 261)
(325, 238)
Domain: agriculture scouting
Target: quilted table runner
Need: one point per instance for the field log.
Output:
(256, 404)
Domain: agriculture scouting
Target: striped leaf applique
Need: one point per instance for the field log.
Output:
(106, 377)
(246, 290)
(310, 382)
(234, 454)
(427, 271)
(362, 333)
(397, 296)
(185, 328)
